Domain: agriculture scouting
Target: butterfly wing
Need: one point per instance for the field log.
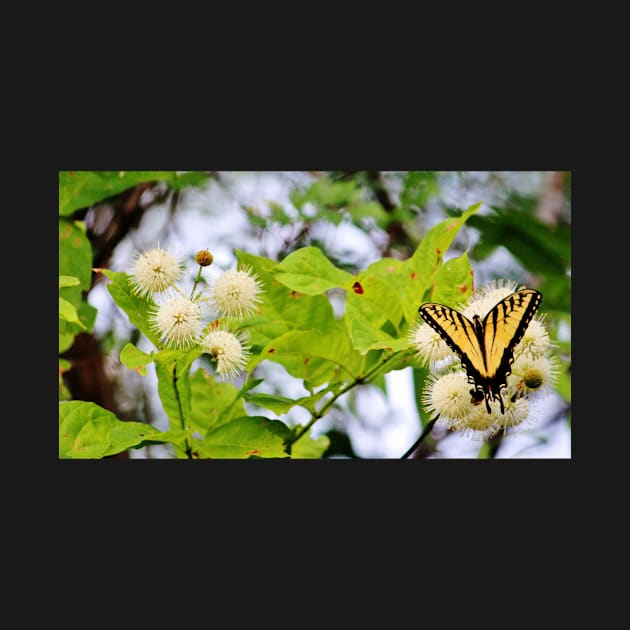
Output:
(459, 333)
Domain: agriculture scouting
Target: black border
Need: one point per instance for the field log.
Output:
(265, 492)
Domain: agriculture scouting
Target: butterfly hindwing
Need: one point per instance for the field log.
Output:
(485, 348)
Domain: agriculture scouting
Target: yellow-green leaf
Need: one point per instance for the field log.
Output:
(86, 431)
(309, 271)
(138, 309)
(248, 436)
(68, 312)
(135, 359)
(316, 356)
(307, 447)
(68, 281)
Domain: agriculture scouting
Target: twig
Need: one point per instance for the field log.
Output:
(423, 435)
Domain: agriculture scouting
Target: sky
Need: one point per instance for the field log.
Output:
(382, 425)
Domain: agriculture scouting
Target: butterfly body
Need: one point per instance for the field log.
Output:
(485, 346)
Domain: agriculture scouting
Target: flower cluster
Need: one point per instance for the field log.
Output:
(177, 316)
(448, 392)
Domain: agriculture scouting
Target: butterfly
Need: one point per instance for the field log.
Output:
(485, 346)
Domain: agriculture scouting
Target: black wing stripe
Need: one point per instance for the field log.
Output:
(449, 315)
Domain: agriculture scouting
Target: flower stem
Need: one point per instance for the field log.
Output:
(181, 411)
(196, 282)
(423, 435)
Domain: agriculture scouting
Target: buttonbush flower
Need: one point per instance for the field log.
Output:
(229, 350)
(533, 376)
(236, 293)
(154, 271)
(535, 341)
(430, 347)
(478, 423)
(449, 396)
(177, 320)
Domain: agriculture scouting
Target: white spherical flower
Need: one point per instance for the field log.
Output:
(429, 346)
(479, 424)
(177, 321)
(516, 415)
(532, 375)
(449, 396)
(154, 271)
(229, 350)
(535, 341)
(236, 292)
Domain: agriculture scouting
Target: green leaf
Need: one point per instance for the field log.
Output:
(81, 189)
(314, 356)
(420, 375)
(331, 216)
(370, 209)
(279, 215)
(426, 260)
(173, 371)
(307, 447)
(65, 340)
(64, 392)
(68, 281)
(86, 431)
(245, 437)
(183, 180)
(324, 192)
(363, 335)
(213, 403)
(282, 309)
(137, 309)
(87, 315)
(418, 188)
(176, 438)
(439, 238)
(365, 338)
(277, 404)
(281, 404)
(75, 260)
(68, 330)
(372, 301)
(127, 435)
(309, 271)
(543, 250)
(392, 272)
(135, 359)
(68, 312)
(453, 282)
(563, 384)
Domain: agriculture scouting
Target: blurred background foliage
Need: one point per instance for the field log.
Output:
(522, 232)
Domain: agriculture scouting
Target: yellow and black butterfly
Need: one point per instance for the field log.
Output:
(485, 347)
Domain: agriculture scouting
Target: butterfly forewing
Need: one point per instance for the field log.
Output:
(456, 330)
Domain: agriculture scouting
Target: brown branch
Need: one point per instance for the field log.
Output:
(127, 212)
